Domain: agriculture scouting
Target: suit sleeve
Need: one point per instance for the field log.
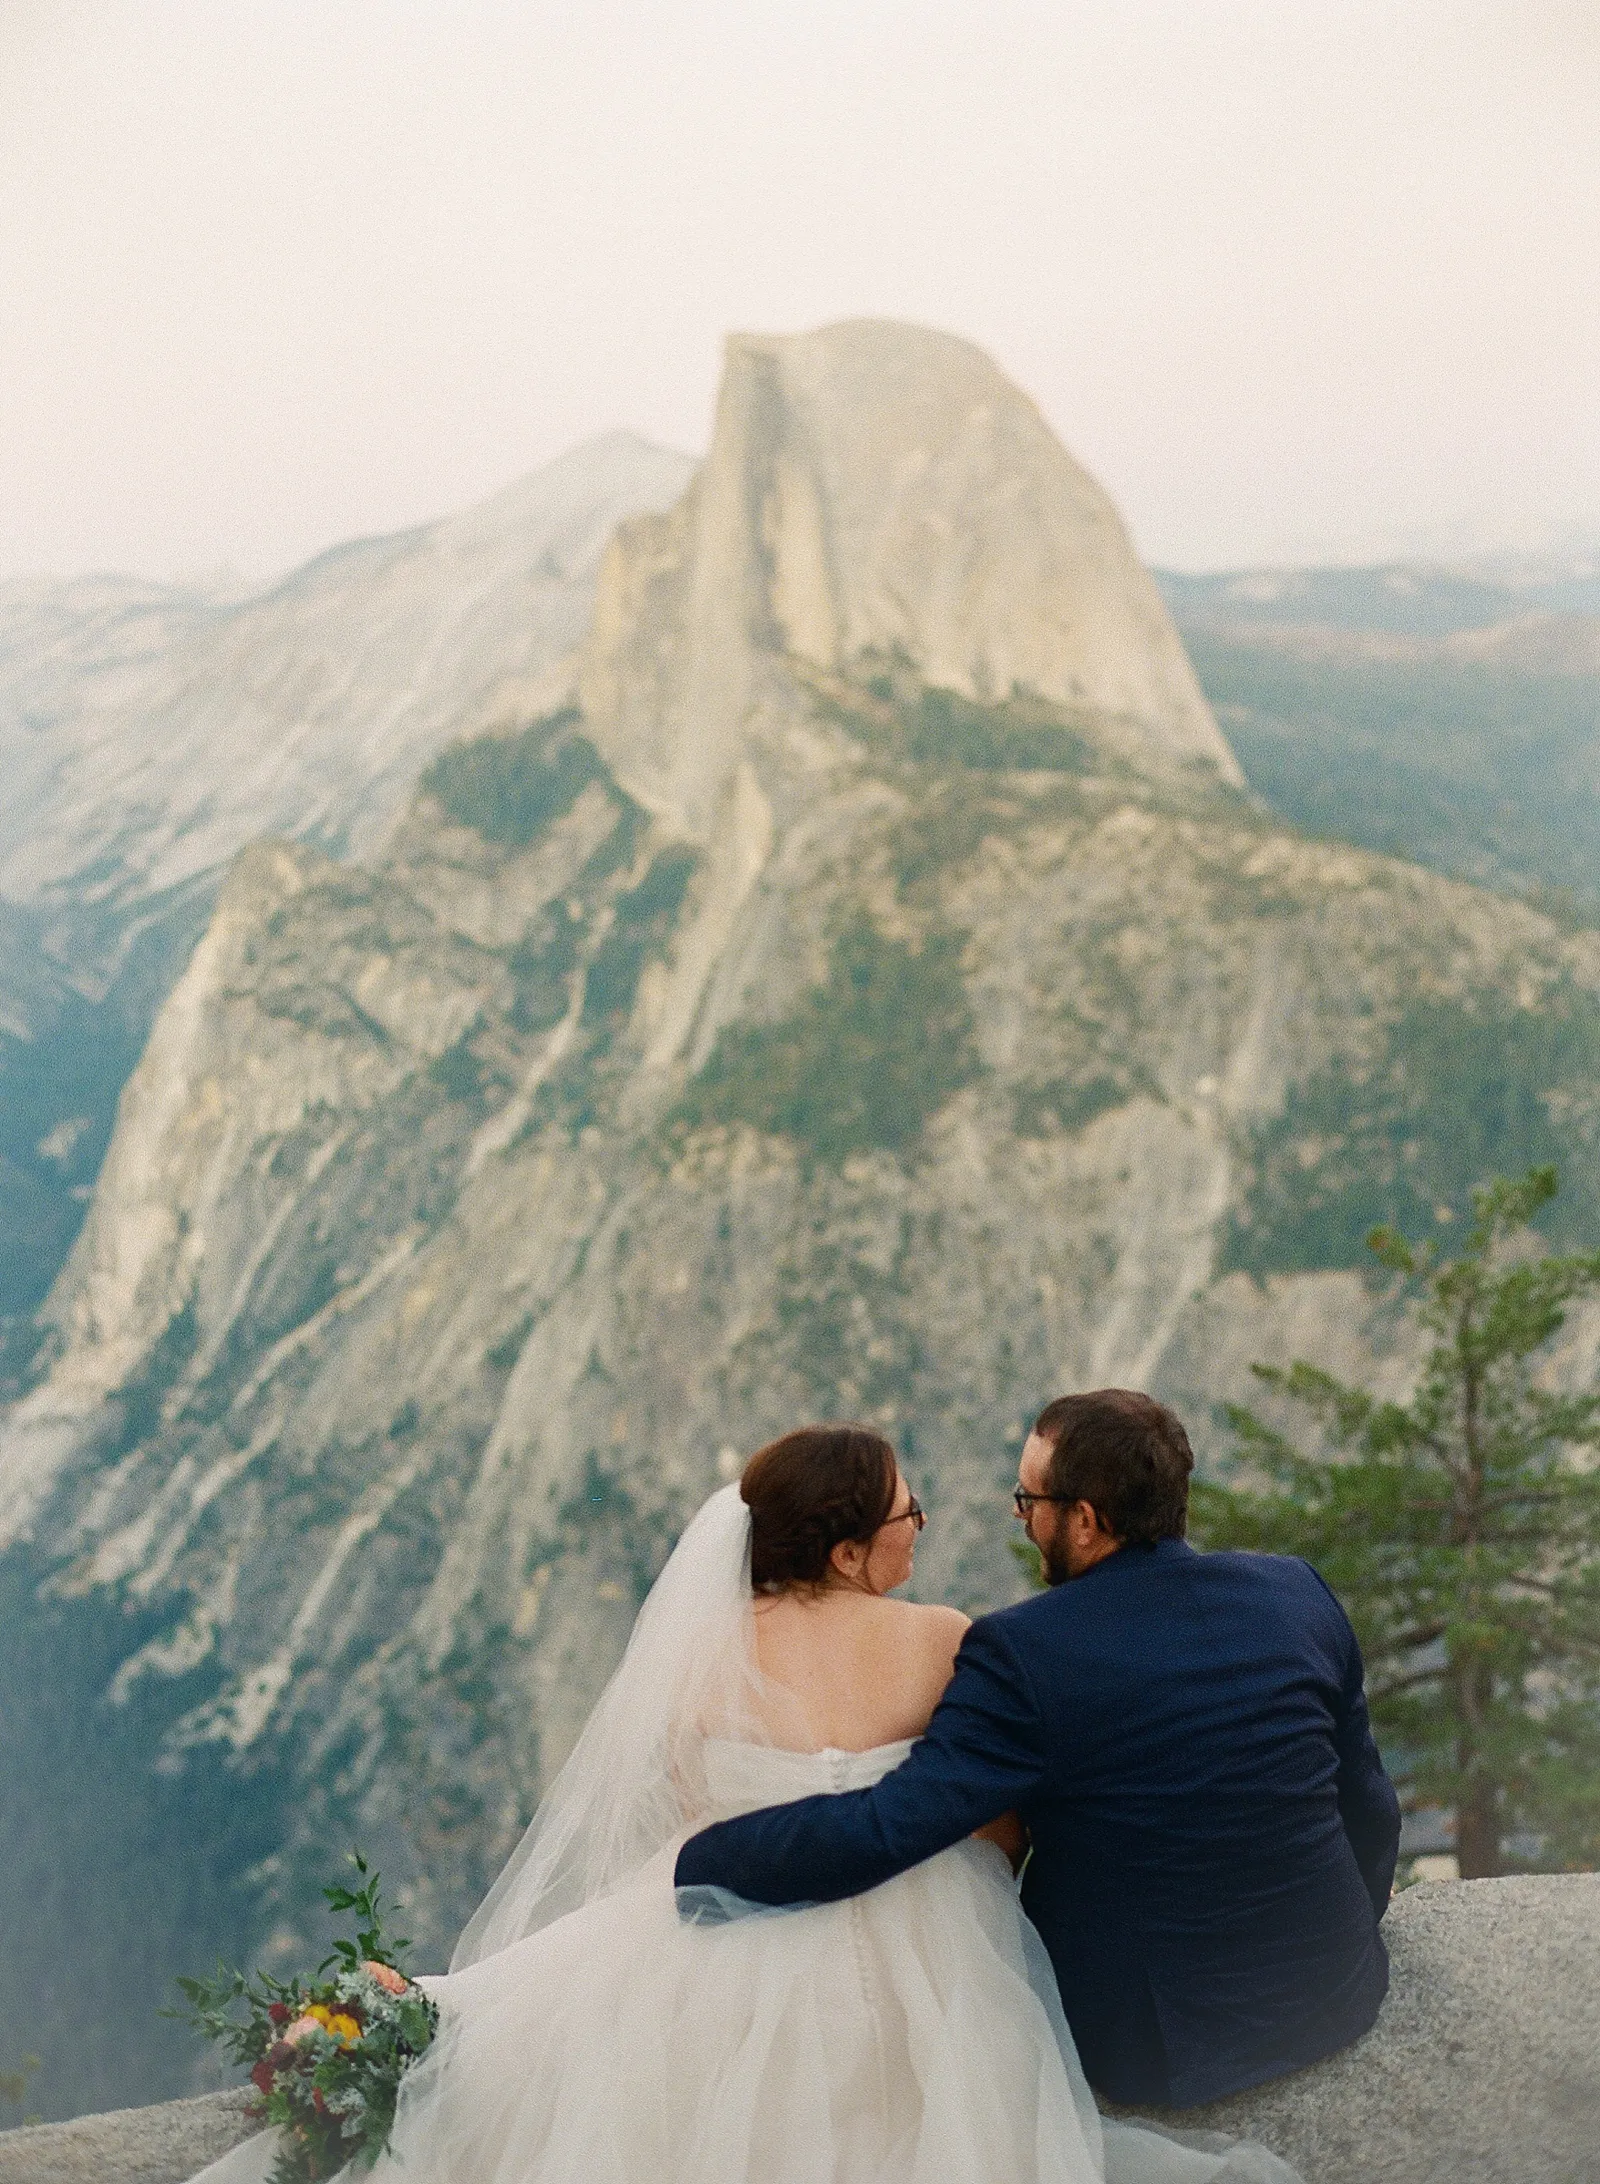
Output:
(982, 1754)
(1368, 1805)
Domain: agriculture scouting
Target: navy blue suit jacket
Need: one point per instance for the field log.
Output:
(1214, 1836)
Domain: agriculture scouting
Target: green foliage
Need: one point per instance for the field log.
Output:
(865, 1059)
(1066, 1104)
(91, 1807)
(900, 717)
(366, 1903)
(326, 2056)
(1462, 1531)
(541, 964)
(626, 1533)
(141, 1398)
(509, 788)
(848, 1330)
(509, 1348)
(14, 2085)
(461, 1074)
(59, 1084)
(944, 829)
(942, 728)
(1454, 1091)
(1480, 769)
(640, 929)
(1031, 1563)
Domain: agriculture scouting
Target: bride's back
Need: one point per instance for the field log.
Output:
(861, 1670)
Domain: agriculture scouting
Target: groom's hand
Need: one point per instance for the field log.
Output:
(1010, 1835)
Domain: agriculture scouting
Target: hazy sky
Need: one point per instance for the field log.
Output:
(1295, 278)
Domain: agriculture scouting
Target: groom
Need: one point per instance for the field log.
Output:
(1185, 1736)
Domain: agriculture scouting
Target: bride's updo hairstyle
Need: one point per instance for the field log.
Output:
(807, 1492)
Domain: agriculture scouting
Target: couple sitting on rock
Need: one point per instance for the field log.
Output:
(1173, 1747)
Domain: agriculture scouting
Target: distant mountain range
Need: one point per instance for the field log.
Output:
(832, 962)
(147, 734)
(1402, 599)
(1431, 713)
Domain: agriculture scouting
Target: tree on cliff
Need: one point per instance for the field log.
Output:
(1462, 1531)
(14, 2086)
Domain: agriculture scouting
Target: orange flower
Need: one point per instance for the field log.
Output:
(345, 2028)
(391, 1981)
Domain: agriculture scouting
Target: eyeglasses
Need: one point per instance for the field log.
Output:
(914, 1510)
(1024, 1500)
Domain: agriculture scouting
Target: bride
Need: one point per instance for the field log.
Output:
(593, 2032)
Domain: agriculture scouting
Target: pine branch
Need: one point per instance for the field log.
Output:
(1459, 1515)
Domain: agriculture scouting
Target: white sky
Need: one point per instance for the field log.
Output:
(1296, 278)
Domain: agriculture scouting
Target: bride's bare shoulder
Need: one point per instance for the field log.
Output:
(935, 1631)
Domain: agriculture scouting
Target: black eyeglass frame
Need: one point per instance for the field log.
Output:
(1023, 1501)
(914, 1510)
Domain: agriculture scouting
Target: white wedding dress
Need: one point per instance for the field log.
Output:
(588, 2035)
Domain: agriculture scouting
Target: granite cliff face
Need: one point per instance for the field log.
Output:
(148, 733)
(876, 493)
(873, 995)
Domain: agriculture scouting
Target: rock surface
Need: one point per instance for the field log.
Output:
(876, 492)
(149, 733)
(1483, 2067)
(161, 2145)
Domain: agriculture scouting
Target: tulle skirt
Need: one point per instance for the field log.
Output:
(909, 2036)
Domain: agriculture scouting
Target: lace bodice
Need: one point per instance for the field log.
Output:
(744, 1777)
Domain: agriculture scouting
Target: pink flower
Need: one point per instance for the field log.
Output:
(298, 2030)
(391, 1981)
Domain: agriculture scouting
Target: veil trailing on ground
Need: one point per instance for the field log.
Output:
(635, 1779)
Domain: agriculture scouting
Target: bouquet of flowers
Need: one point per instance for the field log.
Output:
(325, 2054)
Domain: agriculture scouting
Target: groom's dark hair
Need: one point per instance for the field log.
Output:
(1126, 1455)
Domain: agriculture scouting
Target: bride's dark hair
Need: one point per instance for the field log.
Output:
(808, 1491)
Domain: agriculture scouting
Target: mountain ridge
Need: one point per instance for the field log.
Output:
(295, 678)
(150, 731)
(875, 493)
(1452, 715)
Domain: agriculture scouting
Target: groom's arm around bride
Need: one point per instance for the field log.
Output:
(1186, 1737)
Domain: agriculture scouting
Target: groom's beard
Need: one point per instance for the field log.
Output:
(1054, 1563)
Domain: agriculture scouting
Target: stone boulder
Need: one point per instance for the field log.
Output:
(1483, 2068)
(1484, 2065)
(162, 2145)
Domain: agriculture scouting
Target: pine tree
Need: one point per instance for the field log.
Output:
(14, 2085)
(1462, 1531)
